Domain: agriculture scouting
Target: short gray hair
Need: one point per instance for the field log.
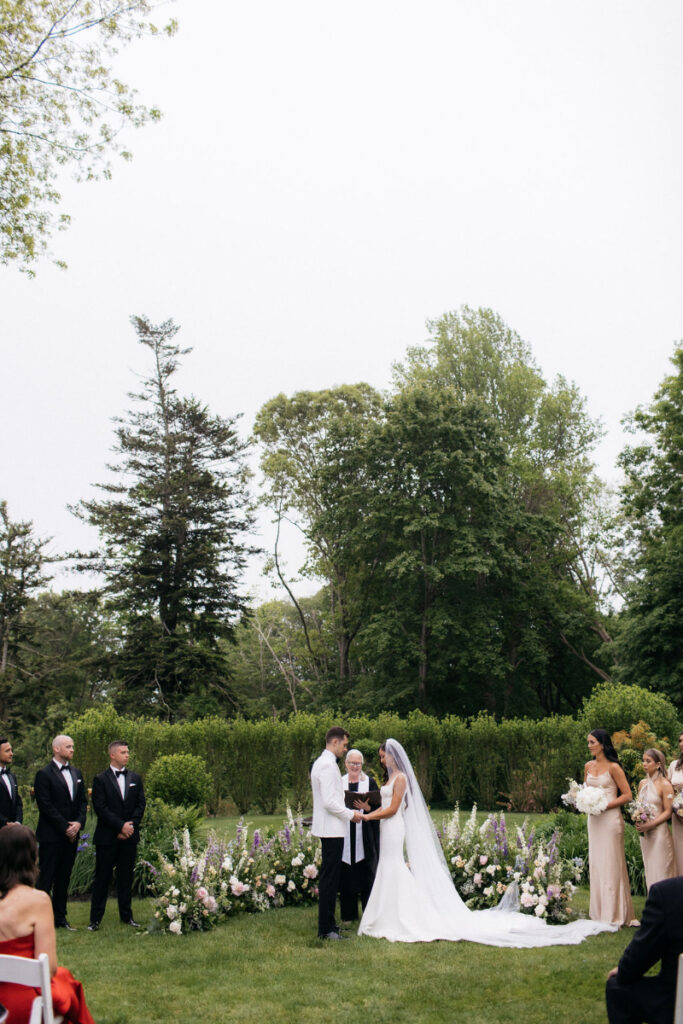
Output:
(357, 753)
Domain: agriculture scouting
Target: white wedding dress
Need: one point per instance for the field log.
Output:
(422, 904)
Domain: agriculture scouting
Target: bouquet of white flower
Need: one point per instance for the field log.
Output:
(591, 799)
(569, 798)
(586, 799)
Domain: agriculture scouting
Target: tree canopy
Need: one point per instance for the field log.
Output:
(61, 105)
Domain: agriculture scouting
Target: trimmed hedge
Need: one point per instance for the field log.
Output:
(520, 764)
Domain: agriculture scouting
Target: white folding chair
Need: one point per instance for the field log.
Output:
(36, 974)
(678, 1011)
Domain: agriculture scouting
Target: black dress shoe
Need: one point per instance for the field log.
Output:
(332, 937)
(94, 926)
(65, 924)
(131, 922)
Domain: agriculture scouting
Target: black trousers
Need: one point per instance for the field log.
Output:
(355, 881)
(646, 1001)
(332, 850)
(120, 855)
(55, 863)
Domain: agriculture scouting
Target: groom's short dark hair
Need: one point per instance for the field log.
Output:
(336, 733)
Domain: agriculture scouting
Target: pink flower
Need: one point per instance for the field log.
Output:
(238, 888)
(310, 871)
(270, 890)
(201, 893)
(477, 878)
(483, 859)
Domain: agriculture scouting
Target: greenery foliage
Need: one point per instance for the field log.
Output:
(521, 764)
(60, 104)
(615, 707)
(178, 779)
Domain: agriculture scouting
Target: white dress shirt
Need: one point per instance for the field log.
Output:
(68, 778)
(330, 814)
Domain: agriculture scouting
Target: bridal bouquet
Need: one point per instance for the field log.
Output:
(677, 804)
(586, 799)
(640, 811)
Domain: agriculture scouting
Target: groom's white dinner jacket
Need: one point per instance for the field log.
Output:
(330, 815)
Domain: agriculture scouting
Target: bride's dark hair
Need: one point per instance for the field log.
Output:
(385, 777)
(603, 737)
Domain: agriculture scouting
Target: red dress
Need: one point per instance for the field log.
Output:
(67, 993)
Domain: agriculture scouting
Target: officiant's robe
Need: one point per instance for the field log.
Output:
(359, 860)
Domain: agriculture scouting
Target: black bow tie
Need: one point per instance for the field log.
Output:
(4, 771)
(122, 772)
(63, 767)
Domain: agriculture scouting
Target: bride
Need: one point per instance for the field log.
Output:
(420, 903)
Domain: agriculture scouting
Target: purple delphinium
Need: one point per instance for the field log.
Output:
(552, 847)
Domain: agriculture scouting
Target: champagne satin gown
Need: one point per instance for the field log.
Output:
(610, 890)
(676, 780)
(656, 845)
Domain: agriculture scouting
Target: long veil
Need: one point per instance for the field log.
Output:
(500, 926)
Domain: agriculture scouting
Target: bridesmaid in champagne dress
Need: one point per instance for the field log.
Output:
(676, 780)
(610, 892)
(655, 839)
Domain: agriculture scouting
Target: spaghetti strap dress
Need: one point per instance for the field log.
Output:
(610, 891)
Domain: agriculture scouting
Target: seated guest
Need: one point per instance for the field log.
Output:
(632, 998)
(27, 929)
(361, 845)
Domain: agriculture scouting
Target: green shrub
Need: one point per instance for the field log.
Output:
(239, 774)
(614, 706)
(303, 745)
(485, 760)
(178, 779)
(453, 761)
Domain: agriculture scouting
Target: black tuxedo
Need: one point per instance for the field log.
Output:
(356, 878)
(11, 807)
(631, 998)
(56, 853)
(113, 810)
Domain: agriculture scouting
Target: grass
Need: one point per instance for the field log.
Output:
(271, 967)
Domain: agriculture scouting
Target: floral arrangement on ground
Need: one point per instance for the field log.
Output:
(194, 890)
(485, 860)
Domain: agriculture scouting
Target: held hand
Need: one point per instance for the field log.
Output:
(613, 972)
(357, 818)
(127, 830)
(362, 804)
(73, 830)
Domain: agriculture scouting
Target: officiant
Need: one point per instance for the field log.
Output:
(361, 845)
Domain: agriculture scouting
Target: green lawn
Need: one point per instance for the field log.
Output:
(270, 967)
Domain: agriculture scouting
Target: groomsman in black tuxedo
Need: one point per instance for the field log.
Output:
(62, 805)
(631, 997)
(119, 802)
(11, 808)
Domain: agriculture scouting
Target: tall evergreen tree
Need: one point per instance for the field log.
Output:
(172, 526)
(649, 648)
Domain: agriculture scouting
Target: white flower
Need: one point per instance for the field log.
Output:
(280, 879)
(310, 871)
(491, 869)
(171, 911)
(175, 927)
(297, 862)
(175, 892)
(540, 909)
(488, 891)
(182, 908)
(591, 799)
(290, 886)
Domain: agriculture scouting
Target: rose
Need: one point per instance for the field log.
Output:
(491, 869)
(540, 910)
(483, 860)
(238, 888)
(201, 893)
(280, 879)
(171, 911)
(270, 890)
(297, 862)
(211, 904)
(175, 927)
(310, 871)
(291, 886)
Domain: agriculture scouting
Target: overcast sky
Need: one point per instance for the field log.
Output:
(325, 178)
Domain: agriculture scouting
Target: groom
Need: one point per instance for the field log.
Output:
(330, 817)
